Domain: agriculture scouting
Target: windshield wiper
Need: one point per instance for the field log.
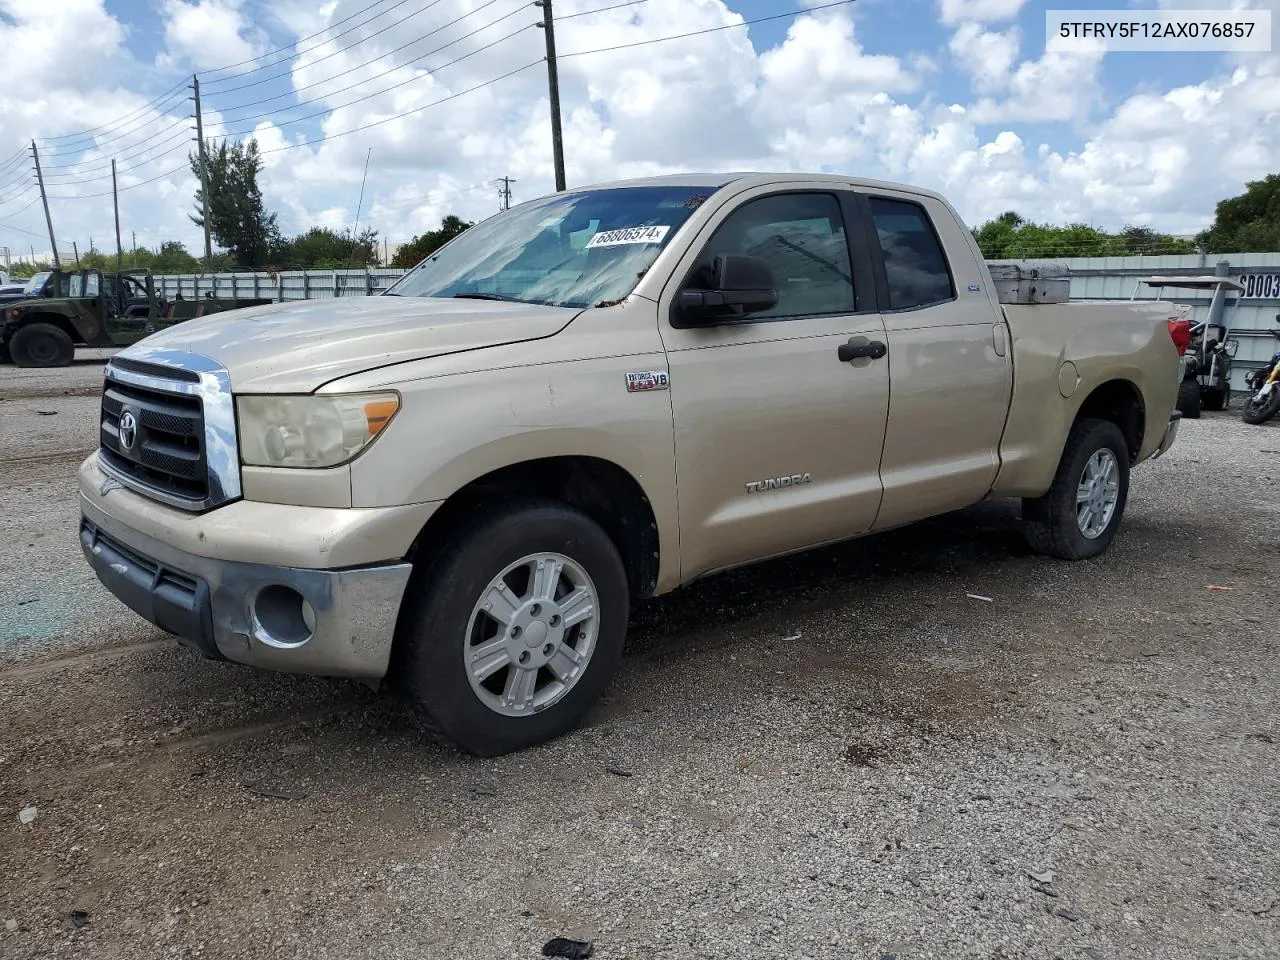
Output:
(487, 296)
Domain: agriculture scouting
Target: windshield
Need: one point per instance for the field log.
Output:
(36, 283)
(568, 250)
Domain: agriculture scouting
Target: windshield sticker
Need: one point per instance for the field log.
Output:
(625, 235)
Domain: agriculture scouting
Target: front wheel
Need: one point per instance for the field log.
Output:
(41, 345)
(511, 634)
(1079, 515)
(1259, 409)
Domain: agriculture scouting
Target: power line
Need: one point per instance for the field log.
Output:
(312, 36)
(407, 113)
(134, 132)
(698, 33)
(587, 13)
(104, 163)
(118, 121)
(375, 60)
(299, 53)
(377, 93)
(335, 53)
(10, 226)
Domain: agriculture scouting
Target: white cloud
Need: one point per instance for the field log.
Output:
(208, 34)
(957, 11)
(988, 55)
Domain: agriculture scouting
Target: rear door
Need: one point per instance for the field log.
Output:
(949, 359)
(777, 438)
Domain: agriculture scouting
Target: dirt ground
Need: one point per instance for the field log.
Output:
(839, 755)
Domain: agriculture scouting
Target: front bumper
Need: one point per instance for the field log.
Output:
(1170, 434)
(255, 604)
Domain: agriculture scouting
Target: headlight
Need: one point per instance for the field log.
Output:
(310, 431)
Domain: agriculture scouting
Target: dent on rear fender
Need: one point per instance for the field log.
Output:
(1104, 344)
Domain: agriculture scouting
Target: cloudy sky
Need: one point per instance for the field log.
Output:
(449, 95)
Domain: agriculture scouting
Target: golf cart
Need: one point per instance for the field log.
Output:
(1206, 377)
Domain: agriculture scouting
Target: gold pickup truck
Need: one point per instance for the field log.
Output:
(462, 485)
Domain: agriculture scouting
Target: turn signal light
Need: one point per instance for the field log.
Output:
(1180, 333)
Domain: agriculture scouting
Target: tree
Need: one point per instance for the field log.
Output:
(1012, 237)
(326, 249)
(425, 244)
(1249, 223)
(238, 218)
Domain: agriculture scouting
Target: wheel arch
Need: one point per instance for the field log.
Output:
(1120, 402)
(604, 491)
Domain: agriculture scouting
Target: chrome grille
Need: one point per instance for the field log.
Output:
(179, 442)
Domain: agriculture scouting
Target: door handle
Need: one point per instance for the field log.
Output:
(861, 351)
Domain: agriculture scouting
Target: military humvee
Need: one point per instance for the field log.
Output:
(91, 309)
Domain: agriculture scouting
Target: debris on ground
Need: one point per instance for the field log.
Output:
(27, 815)
(1067, 915)
(276, 793)
(569, 949)
(1218, 587)
(618, 771)
(80, 918)
(1045, 876)
(977, 596)
(484, 790)
(11, 925)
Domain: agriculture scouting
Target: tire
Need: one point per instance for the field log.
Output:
(442, 621)
(41, 345)
(1257, 413)
(1216, 399)
(1052, 522)
(1189, 399)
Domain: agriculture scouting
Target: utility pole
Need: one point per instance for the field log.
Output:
(44, 198)
(204, 176)
(76, 251)
(133, 250)
(548, 26)
(115, 198)
(504, 191)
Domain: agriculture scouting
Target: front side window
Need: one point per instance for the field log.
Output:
(914, 264)
(801, 237)
(568, 250)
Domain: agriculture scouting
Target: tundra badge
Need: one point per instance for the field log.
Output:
(773, 483)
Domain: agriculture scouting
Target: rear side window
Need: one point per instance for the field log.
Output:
(914, 263)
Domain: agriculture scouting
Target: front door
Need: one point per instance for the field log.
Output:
(949, 360)
(777, 437)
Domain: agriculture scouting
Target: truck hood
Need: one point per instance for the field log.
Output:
(300, 346)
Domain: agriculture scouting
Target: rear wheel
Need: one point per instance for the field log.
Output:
(41, 345)
(510, 635)
(1189, 399)
(1080, 514)
(1260, 411)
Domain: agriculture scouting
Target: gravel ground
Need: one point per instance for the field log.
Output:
(839, 755)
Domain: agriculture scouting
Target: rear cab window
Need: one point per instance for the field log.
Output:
(915, 264)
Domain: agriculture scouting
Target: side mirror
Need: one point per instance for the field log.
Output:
(1231, 346)
(740, 286)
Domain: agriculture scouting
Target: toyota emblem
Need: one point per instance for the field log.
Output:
(128, 430)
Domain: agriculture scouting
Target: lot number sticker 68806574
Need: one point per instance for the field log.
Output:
(625, 235)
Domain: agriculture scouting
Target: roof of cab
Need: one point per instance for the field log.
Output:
(751, 179)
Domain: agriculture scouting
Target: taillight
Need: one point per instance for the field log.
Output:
(1180, 333)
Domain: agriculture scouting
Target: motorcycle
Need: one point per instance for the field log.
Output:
(1264, 403)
